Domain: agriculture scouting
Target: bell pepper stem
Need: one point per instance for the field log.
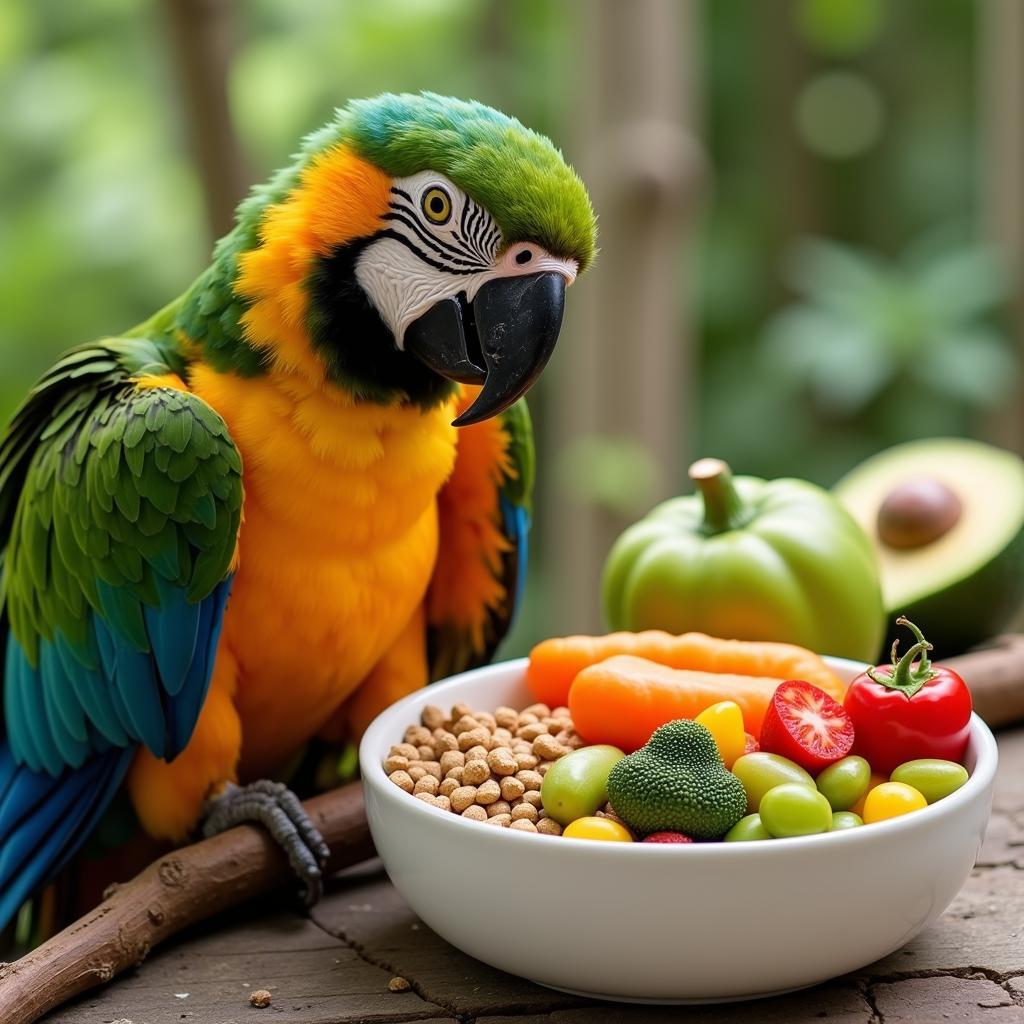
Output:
(905, 676)
(723, 507)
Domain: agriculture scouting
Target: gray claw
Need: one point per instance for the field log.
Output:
(274, 806)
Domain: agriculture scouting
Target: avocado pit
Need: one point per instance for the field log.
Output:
(917, 512)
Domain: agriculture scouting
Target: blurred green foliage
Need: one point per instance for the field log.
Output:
(849, 120)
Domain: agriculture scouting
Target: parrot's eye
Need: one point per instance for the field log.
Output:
(437, 205)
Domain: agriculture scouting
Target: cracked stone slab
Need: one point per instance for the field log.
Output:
(206, 978)
(945, 1000)
(825, 1002)
(983, 928)
(362, 907)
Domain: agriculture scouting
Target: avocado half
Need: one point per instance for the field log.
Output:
(946, 516)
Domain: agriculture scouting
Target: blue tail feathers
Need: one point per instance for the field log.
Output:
(44, 820)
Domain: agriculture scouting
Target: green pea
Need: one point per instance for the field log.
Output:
(931, 777)
(747, 829)
(795, 809)
(845, 819)
(761, 771)
(845, 782)
(576, 785)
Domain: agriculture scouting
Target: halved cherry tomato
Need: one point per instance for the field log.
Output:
(806, 725)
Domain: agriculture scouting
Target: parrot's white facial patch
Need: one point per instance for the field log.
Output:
(437, 243)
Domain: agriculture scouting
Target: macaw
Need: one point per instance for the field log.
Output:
(295, 494)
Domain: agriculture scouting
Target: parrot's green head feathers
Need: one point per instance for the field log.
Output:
(419, 240)
(513, 172)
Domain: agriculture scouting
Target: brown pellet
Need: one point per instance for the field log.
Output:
(542, 768)
(477, 753)
(260, 998)
(522, 825)
(530, 780)
(549, 827)
(428, 784)
(399, 984)
(511, 788)
(526, 718)
(531, 732)
(455, 773)
(502, 761)
(475, 812)
(507, 718)
(417, 735)
(432, 717)
(445, 741)
(427, 798)
(547, 748)
(475, 772)
(526, 762)
(465, 724)
(406, 750)
(533, 797)
(458, 710)
(452, 759)
(474, 737)
(540, 710)
(503, 820)
(488, 793)
(416, 771)
(463, 797)
(443, 802)
(498, 807)
(396, 763)
(403, 780)
(487, 720)
(525, 812)
(448, 786)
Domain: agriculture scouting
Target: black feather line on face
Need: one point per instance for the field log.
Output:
(355, 345)
(440, 247)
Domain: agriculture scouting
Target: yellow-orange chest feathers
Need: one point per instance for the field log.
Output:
(337, 546)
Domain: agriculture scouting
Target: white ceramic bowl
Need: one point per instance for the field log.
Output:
(640, 922)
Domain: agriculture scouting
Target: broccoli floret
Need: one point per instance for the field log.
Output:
(677, 783)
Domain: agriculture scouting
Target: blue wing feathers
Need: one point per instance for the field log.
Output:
(173, 629)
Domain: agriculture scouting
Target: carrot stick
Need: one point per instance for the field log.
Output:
(624, 699)
(555, 663)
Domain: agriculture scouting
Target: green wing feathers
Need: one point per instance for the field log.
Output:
(119, 511)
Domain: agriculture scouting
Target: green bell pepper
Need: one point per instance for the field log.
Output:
(749, 559)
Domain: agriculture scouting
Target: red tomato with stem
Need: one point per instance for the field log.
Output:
(909, 709)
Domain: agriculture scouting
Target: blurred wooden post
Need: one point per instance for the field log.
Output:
(202, 43)
(625, 367)
(1001, 177)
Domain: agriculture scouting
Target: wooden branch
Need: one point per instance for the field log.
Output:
(175, 891)
(995, 675)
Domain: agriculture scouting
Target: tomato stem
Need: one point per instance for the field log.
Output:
(907, 677)
(724, 509)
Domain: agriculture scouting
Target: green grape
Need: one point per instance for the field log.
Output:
(931, 777)
(576, 785)
(845, 819)
(761, 771)
(795, 809)
(747, 829)
(845, 782)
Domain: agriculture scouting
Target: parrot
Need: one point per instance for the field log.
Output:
(295, 494)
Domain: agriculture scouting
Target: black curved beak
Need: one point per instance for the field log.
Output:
(502, 340)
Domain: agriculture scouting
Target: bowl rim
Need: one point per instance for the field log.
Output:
(373, 776)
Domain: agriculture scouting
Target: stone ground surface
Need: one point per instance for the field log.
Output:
(334, 966)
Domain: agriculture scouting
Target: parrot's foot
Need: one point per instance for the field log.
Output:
(274, 806)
